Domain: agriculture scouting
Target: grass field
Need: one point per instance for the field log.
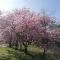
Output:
(33, 54)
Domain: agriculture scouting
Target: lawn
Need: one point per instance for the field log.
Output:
(34, 53)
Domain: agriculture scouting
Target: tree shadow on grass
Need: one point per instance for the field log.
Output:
(35, 56)
(20, 55)
(30, 55)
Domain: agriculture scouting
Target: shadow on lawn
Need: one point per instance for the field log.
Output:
(20, 55)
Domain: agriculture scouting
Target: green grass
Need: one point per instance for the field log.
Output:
(34, 53)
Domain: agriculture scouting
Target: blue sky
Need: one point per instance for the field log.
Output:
(51, 6)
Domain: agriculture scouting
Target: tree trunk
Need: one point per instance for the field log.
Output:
(10, 45)
(16, 45)
(44, 54)
(25, 47)
(20, 45)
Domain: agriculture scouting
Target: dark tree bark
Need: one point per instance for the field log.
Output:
(44, 54)
(10, 44)
(16, 45)
(25, 47)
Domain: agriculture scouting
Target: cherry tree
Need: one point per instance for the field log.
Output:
(27, 20)
(28, 26)
(45, 22)
(55, 37)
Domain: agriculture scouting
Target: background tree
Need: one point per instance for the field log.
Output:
(43, 41)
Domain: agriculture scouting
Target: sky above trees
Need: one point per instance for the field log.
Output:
(51, 6)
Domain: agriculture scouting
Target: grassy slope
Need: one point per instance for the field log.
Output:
(34, 54)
